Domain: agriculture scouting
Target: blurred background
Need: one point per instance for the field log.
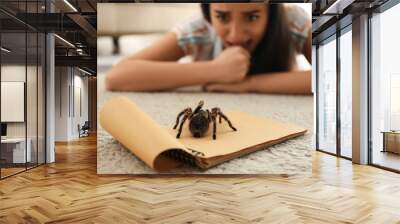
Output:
(123, 29)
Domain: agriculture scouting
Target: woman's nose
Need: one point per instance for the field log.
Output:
(236, 34)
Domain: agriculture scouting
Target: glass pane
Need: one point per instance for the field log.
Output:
(314, 78)
(327, 96)
(386, 89)
(346, 94)
(23, 88)
(31, 98)
(31, 85)
(13, 86)
(41, 98)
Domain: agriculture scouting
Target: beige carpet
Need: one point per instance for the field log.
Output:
(291, 157)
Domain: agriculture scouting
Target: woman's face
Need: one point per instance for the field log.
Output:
(241, 24)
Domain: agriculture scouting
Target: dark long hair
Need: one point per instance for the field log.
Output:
(274, 53)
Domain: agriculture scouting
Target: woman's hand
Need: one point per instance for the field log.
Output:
(231, 65)
(293, 82)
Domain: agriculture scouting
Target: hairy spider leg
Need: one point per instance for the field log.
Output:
(226, 119)
(187, 114)
(214, 127)
(179, 116)
(199, 106)
(216, 110)
(208, 115)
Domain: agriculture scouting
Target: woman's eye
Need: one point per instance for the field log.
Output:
(223, 18)
(252, 17)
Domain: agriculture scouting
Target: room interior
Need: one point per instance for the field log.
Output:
(355, 163)
(31, 93)
(22, 99)
(355, 68)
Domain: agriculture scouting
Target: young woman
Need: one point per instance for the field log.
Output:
(246, 47)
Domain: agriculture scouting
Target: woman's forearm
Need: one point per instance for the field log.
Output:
(294, 82)
(141, 75)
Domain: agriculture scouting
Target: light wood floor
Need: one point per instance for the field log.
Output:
(387, 159)
(10, 171)
(5, 172)
(69, 191)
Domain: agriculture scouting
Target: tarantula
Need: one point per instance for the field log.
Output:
(199, 120)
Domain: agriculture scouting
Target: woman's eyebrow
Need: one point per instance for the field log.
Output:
(251, 12)
(221, 12)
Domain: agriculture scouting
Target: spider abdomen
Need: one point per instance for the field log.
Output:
(199, 124)
(199, 120)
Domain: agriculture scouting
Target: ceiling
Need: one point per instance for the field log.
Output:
(72, 20)
(331, 15)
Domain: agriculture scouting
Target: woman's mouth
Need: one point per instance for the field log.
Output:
(246, 45)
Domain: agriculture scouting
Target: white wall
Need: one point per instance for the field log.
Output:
(121, 18)
(70, 83)
(82, 82)
(17, 73)
(80, 103)
(62, 81)
(50, 95)
(33, 126)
